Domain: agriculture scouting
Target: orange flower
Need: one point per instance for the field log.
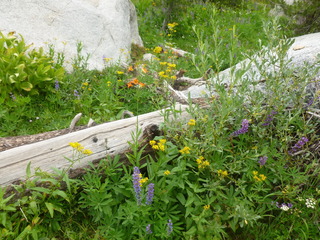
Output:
(141, 84)
(135, 81)
(130, 69)
(144, 70)
(129, 85)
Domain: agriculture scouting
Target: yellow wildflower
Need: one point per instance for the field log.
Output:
(166, 172)
(173, 77)
(192, 122)
(85, 84)
(171, 65)
(120, 72)
(152, 142)
(157, 49)
(163, 141)
(87, 152)
(77, 146)
(185, 150)
(163, 63)
(143, 180)
(222, 173)
(206, 207)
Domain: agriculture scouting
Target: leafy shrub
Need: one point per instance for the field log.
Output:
(24, 71)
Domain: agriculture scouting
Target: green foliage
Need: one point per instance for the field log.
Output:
(24, 71)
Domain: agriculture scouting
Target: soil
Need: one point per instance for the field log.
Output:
(12, 142)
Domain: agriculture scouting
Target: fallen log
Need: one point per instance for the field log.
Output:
(108, 139)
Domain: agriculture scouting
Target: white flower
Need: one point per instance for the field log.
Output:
(310, 203)
(284, 207)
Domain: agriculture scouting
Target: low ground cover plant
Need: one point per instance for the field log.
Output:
(245, 166)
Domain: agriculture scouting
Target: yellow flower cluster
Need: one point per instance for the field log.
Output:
(78, 147)
(222, 173)
(160, 145)
(143, 180)
(166, 172)
(185, 150)
(157, 49)
(206, 207)
(168, 71)
(192, 122)
(171, 28)
(202, 163)
(120, 72)
(258, 177)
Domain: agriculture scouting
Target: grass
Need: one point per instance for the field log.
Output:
(245, 167)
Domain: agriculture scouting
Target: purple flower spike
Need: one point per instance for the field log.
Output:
(150, 194)
(262, 161)
(269, 118)
(56, 85)
(169, 227)
(136, 178)
(298, 145)
(148, 229)
(243, 129)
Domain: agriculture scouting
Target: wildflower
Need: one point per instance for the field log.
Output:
(108, 83)
(166, 172)
(13, 97)
(85, 84)
(120, 72)
(243, 129)
(206, 207)
(163, 63)
(143, 180)
(136, 178)
(269, 118)
(192, 122)
(144, 70)
(258, 177)
(140, 84)
(185, 150)
(152, 142)
(284, 206)
(148, 229)
(202, 163)
(107, 59)
(130, 69)
(87, 152)
(173, 77)
(76, 93)
(56, 85)
(172, 25)
(171, 65)
(169, 227)
(157, 49)
(77, 146)
(310, 203)
(222, 173)
(150, 194)
(298, 145)
(262, 161)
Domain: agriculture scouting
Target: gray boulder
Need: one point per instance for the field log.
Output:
(305, 51)
(106, 28)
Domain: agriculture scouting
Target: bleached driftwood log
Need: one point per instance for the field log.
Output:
(106, 139)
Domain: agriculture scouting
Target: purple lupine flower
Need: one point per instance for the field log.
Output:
(76, 93)
(148, 229)
(243, 129)
(169, 227)
(150, 194)
(136, 178)
(269, 118)
(13, 97)
(56, 85)
(262, 161)
(298, 145)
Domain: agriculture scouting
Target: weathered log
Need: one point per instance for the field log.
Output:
(106, 139)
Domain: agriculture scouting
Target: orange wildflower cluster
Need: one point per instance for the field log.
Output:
(135, 82)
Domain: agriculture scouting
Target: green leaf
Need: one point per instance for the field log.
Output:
(50, 207)
(26, 86)
(28, 170)
(61, 194)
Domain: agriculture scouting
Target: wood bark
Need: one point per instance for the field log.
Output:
(108, 139)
